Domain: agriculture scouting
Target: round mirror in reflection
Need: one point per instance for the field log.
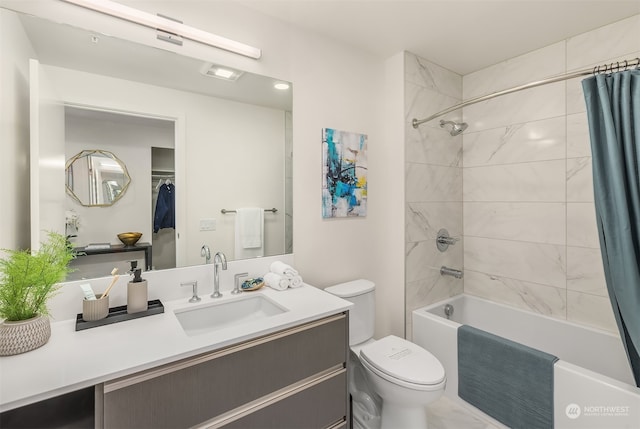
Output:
(96, 178)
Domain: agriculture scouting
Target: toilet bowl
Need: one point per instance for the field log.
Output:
(406, 377)
(366, 404)
(400, 378)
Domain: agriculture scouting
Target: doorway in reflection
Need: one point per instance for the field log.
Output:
(145, 145)
(163, 188)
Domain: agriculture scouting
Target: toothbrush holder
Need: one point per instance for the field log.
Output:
(95, 309)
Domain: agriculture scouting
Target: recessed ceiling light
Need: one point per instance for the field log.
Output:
(281, 86)
(225, 73)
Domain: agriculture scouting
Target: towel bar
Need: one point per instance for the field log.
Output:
(225, 211)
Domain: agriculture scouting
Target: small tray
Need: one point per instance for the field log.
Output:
(256, 283)
(119, 314)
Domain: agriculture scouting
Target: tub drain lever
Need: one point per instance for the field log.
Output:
(448, 310)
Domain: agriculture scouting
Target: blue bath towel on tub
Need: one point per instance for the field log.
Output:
(511, 382)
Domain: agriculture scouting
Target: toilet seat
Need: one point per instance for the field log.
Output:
(403, 363)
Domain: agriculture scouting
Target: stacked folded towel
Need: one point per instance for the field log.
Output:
(282, 276)
(276, 281)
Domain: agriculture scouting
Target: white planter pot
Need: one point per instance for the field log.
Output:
(24, 335)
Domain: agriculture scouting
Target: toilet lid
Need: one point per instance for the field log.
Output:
(403, 360)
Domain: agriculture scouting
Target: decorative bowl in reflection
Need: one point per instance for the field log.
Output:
(129, 238)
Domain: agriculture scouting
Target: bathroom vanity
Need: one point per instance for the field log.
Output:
(292, 378)
(284, 370)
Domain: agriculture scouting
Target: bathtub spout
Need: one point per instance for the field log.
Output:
(446, 271)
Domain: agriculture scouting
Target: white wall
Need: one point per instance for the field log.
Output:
(386, 206)
(14, 134)
(239, 162)
(337, 87)
(334, 86)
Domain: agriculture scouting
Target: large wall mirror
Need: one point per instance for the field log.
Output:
(222, 145)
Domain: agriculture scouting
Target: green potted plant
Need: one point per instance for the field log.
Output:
(27, 280)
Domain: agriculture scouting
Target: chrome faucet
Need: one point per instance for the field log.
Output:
(218, 260)
(206, 254)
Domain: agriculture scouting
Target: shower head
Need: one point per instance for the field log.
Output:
(456, 128)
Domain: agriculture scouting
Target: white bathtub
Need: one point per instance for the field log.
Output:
(594, 386)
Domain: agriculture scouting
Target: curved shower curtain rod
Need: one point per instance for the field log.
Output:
(607, 68)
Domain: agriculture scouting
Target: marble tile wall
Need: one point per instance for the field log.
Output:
(530, 238)
(516, 187)
(433, 176)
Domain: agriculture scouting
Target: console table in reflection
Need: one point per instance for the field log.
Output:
(119, 248)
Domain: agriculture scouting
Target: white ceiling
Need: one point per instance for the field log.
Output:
(461, 35)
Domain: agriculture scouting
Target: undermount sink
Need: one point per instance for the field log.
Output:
(216, 316)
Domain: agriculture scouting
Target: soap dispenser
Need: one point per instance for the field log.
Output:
(136, 291)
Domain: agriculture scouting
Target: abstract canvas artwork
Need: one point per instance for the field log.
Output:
(344, 174)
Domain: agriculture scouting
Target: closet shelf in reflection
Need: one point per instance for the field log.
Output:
(167, 178)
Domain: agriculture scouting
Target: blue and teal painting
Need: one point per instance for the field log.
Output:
(344, 175)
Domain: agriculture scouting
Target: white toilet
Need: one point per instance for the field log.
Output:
(401, 375)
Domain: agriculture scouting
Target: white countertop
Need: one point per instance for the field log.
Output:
(72, 360)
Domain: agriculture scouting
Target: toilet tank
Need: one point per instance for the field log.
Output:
(362, 315)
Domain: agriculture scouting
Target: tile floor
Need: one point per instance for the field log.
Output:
(446, 413)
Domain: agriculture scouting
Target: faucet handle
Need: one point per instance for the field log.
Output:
(205, 253)
(194, 297)
(236, 282)
(443, 241)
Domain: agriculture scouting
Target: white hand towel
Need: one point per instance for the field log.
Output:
(296, 281)
(283, 269)
(249, 233)
(249, 223)
(276, 281)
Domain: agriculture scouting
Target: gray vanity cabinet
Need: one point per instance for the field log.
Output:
(293, 378)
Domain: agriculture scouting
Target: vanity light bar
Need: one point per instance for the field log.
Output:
(158, 22)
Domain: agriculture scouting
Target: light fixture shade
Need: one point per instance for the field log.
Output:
(158, 22)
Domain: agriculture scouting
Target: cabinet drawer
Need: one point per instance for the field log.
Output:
(317, 407)
(189, 392)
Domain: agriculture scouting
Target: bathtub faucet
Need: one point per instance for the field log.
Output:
(446, 271)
